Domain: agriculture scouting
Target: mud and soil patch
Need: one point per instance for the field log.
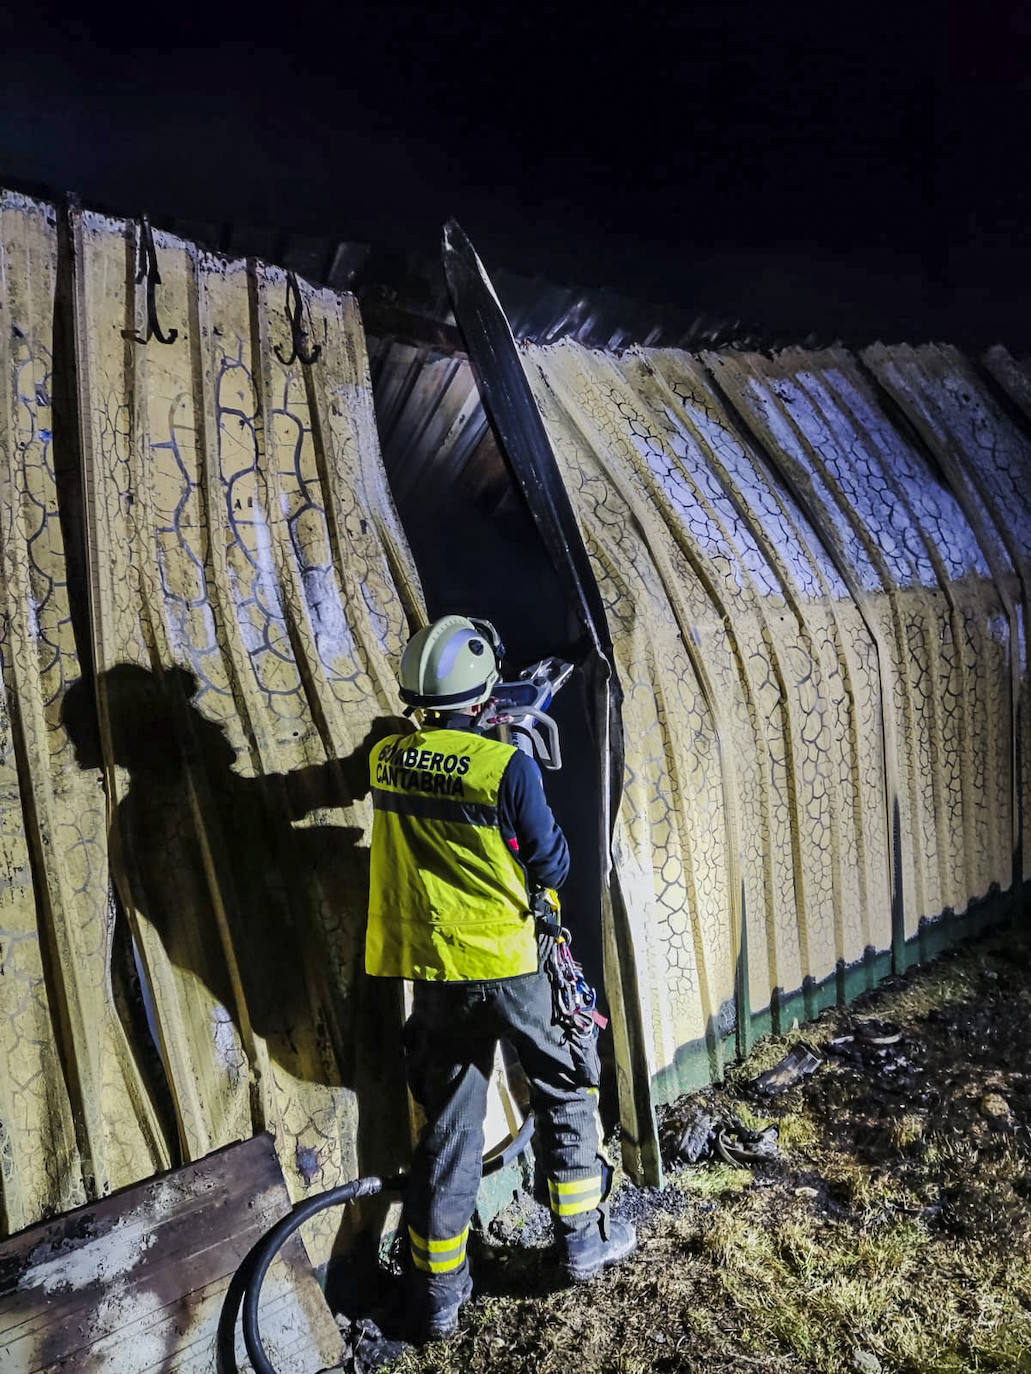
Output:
(889, 1229)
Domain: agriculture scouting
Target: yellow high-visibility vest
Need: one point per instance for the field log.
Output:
(447, 897)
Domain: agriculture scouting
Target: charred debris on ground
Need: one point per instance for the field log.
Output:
(855, 1198)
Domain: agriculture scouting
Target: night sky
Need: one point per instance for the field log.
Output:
(858, 169)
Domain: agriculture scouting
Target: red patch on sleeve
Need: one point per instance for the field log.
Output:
(513, 844)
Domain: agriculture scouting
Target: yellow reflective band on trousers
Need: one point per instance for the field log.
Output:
(447, 897)
(438, 1256)
(577, 1196)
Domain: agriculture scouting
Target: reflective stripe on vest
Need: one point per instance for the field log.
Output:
(447, 898)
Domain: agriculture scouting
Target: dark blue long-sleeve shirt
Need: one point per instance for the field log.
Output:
(527, 823)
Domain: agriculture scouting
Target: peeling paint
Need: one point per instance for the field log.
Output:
(101, 1261)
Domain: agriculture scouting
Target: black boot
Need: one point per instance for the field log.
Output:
(437, 1304)
(587, 1252)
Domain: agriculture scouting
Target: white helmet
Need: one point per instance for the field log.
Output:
(451, 664)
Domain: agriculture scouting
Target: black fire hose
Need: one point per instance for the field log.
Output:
(245, 1288)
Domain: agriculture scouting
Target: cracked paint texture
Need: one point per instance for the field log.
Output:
(819, 625)
(813, 631)
(250, 592)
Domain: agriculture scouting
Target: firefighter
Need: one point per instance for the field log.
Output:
(462, 833)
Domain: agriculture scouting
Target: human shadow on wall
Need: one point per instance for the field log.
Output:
(268, 915)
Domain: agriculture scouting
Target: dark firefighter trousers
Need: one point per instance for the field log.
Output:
(450, 1042)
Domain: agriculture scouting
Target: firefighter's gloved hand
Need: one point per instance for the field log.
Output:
(547, 908)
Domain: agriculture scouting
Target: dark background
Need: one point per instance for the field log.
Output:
(860, 169)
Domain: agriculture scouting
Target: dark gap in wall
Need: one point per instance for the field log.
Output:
(66, 449)
(478, 553)
(135, 1008)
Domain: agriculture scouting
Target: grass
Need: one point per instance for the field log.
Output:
(715, 1180)
(819, 1292)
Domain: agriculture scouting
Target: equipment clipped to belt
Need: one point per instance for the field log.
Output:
(573, 1000)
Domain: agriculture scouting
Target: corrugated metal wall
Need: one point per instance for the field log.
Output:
(820, 648)
(814, 568)
(813, 571)
(248, 593)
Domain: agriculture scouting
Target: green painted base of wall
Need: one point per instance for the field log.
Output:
(701, 1061)
(499, 1189)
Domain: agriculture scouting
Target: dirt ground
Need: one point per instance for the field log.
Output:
(887, 1229)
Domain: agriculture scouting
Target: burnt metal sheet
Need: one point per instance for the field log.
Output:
(1013, 375)
(250, 593)
(75, 1118)
(524, 439)
(814, 572)
(984, 452)
(813, 582)
(818, 671)
(943, 681)
(245, 597)
(425, 405)
(136, 1282)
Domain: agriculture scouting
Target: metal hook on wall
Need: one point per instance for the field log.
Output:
(299, 335)
(148, 270)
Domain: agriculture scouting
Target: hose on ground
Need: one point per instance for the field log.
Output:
(245, 1288)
